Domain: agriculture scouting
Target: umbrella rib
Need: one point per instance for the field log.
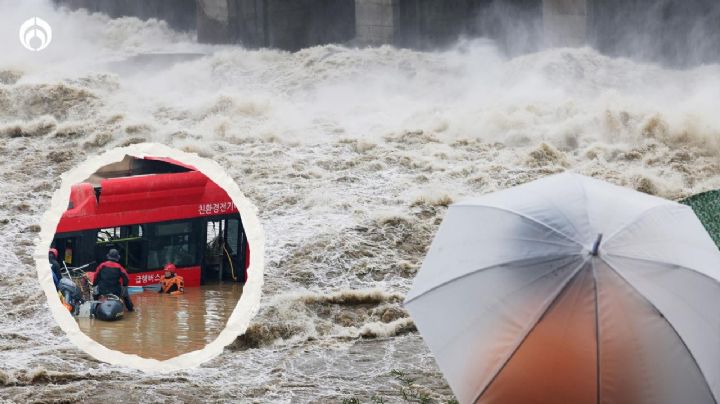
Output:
(582, 188)
(652, 261)
(586, 199)
(537, 241)
(544, 311)
(510, 293)
(680, 297)
(597, 335)
(643, 297)
(524, 216)
(473, 272)
(635, 220)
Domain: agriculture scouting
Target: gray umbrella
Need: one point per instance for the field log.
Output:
(572, 290)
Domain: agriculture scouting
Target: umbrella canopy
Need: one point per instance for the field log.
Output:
(570, 289)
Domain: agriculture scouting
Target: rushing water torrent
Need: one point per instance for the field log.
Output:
(164, 326)
(351, 156)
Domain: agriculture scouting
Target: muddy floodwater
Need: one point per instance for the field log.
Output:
(164, 326)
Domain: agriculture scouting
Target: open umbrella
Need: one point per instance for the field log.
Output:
(572, 290)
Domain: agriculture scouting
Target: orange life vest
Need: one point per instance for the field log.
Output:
(167, 283)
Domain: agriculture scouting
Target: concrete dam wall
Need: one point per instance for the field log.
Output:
(294, 24)
(179, 14)
(284, 24)
(679, 32)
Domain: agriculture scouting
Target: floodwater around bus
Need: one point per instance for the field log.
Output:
(164, 326)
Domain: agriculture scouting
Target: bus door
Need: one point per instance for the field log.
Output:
(67, 248)
(75, 248)
(235, 240)
(224, 252)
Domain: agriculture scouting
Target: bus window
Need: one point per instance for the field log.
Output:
(108, 234)
(134, 255)
(233, 234)
(236, 246)
(171, 243)
(128, 241)
(131, 231)
(165, 229)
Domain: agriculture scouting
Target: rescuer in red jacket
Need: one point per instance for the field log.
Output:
(111, 278)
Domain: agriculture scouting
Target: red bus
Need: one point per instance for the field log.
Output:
(155, 211)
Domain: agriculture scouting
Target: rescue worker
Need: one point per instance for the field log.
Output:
(111, 278)
(70, 295)
(172, 283)
(55, 266)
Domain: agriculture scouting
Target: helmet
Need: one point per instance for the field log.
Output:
(54, 252)
(170, 270)
(113, 255)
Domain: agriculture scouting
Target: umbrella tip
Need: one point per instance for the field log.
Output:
(596, 246)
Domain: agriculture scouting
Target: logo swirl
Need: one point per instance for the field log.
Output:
(35, 34)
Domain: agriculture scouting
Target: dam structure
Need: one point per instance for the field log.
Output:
(679, 32)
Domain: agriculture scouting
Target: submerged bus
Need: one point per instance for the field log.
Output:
(154, 211)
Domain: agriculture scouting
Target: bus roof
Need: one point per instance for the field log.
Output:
(177, 191)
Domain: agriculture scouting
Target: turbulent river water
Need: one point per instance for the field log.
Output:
(351, 156)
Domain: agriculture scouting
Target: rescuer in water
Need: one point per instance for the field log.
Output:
(172, 283)
(111, 278)
(55, 266)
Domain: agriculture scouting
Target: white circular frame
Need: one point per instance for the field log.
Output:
(246, 307)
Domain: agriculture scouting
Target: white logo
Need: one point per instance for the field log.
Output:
(35, 34)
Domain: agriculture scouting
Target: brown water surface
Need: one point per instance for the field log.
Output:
(164, 326)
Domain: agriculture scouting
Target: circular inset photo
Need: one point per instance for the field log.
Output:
(154, 259)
